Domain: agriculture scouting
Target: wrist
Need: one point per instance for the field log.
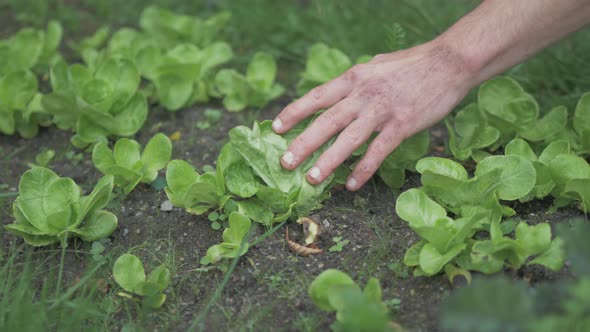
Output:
(464, 68)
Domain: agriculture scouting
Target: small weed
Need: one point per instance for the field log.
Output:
(340, 243)
(393, 305)
(399, 269)
(212, 117)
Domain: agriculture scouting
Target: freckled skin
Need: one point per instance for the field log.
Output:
(399, 94)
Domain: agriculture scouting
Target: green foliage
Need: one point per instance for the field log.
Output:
(323, 64)
(130, 275)
(29, 50)
(233, 240)
(248, 178)
(503, 112)
(171, 29)
(340, 243)
(500, 304)
(393, 169)
(96, 104)
(20, 106)
(212, 117)
(28, 290)
(356, 309)
(50, 209)
(475, 204)
(184, 75)
(177, 53)
(257, 88)
(128, 164)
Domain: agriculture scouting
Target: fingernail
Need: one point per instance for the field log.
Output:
(288, 158)
(314, 173)
(277, 124)
(351, 184)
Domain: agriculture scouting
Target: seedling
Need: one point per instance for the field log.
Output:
(233, 236)
(212, 116)
(340, 243)
(43, 158)
(97, 250)
(256, 88)
(356, 309)
(129, 274)
(128, 164)
(400, 270)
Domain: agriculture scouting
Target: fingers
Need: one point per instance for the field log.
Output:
(319, 132)
(318, 98)
(387, 141)
(348, 141)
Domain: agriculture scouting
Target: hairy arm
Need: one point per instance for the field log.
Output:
(502, 33)
(398, 94)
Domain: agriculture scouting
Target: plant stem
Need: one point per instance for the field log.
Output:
(61, 267)
(8, 195)
(197, 320)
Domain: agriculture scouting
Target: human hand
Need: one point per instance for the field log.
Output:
(396, 94)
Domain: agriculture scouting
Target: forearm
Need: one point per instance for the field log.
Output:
(499, 34)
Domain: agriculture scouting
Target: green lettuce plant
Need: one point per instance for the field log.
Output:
(559, 172)
(503, 111)
(500, 304)
(257, 88)
(96, 104)
(248, 178)
(128, 164)
(233, 236)
(31, 49)
(184, 75)
(448, 243)
(27, 51)
(171, 29)
(393, 169)
(324, 64)
(51, 209)
(356, 309)
(130, 275)
(20, 105)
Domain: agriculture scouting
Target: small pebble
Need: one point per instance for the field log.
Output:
(137, 231)
(125, 232)
(166, 206)
(326, 223)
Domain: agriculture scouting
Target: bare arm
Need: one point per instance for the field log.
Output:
(401, 93)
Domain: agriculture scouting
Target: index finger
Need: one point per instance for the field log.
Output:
(316, 99)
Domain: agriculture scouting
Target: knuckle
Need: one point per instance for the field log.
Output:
(355, 73)
(352, 134)
(367, 167)
(318, 93)
(379, 148)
